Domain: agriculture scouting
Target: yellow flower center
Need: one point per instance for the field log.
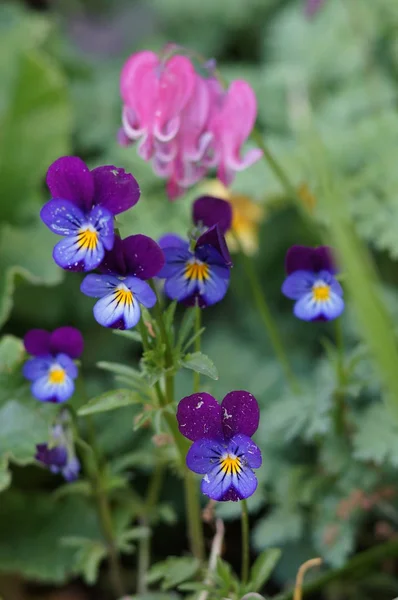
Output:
(231, 464)
(87, 238)
(321, 292)
(196, 270)
(56, 375)
(123, 295)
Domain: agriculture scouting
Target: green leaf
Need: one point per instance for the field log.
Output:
(279, 526)
(173, 571)
(37, 525)
(186, 327)
(262, 568)
(89, 555)
(37, 103)
(376, 436)
(129, 334)
(110, 401)
(25, 253)
(201, 363)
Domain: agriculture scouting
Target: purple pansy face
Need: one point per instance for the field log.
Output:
(122, 288)
(223, 450)
(200, 275)
(311, 282)
(82, 210)
(209, 211)
(58, 460)
(52, 370)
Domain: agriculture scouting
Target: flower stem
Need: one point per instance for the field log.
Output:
(198, 324)
(339, 407)
(192, 504)
(144, 550)
(104, 514)
(245, 543)
(360, 563)
(267, 319)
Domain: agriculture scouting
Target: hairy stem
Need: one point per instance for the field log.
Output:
(198, 324)
(359, 564)
(245, 543)
(192, 504)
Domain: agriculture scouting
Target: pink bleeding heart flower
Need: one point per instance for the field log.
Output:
(231, 126)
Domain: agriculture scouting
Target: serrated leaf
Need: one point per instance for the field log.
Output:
(173, 571)
(263, 568)
(376, 436)
(201, 363)
(88, 557)
(279, 526)
(110, 401)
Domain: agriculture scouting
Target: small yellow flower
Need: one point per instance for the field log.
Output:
(246, 217)
(306, 197)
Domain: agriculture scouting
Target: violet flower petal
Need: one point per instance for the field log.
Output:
(97, 286)
(305, 258)
(199, 416)
(210, 211)
(114, 261)
(298, 283)
(240, 414)
(204, 454)
(214, 237)
(67, 340)
(115, 189)
(143, 257)
(172, 240)
(62, 217)
(69, 178)
(37, 342)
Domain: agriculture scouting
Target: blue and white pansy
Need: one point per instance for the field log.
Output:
(52, 370)
(121, 286)
(312, 284)
(82, 210)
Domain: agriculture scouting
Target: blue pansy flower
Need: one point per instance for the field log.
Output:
(52, 371)
(121, 287)
(311, 282)
(59, 455)
(223, 450)
(82, 209)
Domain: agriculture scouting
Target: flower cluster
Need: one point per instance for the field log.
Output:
(186, 124)
(52, 370)
(223, 450)
(199, 272)
(59, 455)
(82, 210)
(311, 282)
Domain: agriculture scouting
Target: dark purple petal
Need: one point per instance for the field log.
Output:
(67, 340)
(172, 240)
(199, 416)
(114, 259)
(304, 258)
(209, 211)
(240, 414)
(37, 342)
(69, 178)
(115, 189)
(51, 457)
(214, 237)
(143, 257)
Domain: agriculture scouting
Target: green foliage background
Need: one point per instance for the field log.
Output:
(327, 100)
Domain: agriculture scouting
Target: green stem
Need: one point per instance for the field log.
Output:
(198, 324)
(144, 550)
(359, 563)
(339, 407)
(192, 504)
(104, 515)
(245, 543)
(267, 319)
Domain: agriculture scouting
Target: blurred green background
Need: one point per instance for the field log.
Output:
(336, 75)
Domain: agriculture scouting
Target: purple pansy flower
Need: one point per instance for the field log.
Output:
(121, 286)
(311, 282)
(57, 456)
(52, 371)
(223, 450)
(82, 209)
(200, 274)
